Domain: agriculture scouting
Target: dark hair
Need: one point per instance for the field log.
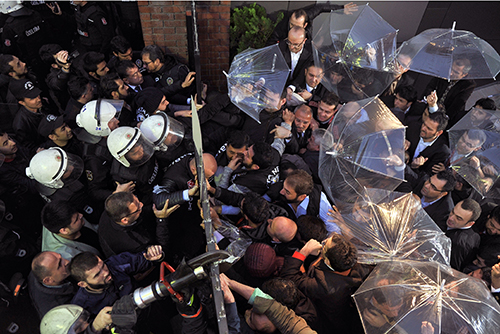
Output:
(57, 215)
(300, 181)
(285, 165)
(310, 227)
(300, 13)
(255, 207)
(447, 175)
(382, 292)
(263, 155)
(476, 134)
(409, 93)
(284, 291)
(495, 213)
(154, 52)
(123, 67)
(48, 51)
(90, 61)
(116, 205)
(5, 68)
(81, 263)
(119, 44)
(108, 84)
(37, 269)
(473, 206)
(77, 86)
(331, 99)
(441, 118)
(342, 255)
(486, 103)
(363, 76)
(238, 139)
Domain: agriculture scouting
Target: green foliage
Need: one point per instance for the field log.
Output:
(250, 27)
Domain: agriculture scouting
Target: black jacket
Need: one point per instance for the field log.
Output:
(464, 246)
(298, 75)
(44, 299)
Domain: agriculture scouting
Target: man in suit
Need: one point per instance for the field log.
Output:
(464, 240)
(297, 50)
(453, 94)
(435, 196)
(301, 130)
(311, 90)
(403, 103)
(427, 146)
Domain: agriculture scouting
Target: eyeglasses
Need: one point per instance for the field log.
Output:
(138, 210)
(287, 41)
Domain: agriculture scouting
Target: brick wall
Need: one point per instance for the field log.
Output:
(164, 24)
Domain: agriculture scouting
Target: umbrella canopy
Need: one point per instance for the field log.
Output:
(256, 79)
(386, 225)
(448, 53)
(360, 47)
(425, 297)
(491, 91)
(475, 150)
(363, 147)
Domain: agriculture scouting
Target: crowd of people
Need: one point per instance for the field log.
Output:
(98, 181)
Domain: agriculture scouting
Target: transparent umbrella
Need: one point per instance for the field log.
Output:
(435, 52)
(386, 225)
(491, 91)
(425, 298)
(475, 150)
(356, 53)
(363, 147)
(256, 79)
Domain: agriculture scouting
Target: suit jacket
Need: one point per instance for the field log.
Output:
(298, 75)
(464, 246)
(438, 211)
(436, 153)
(455, 99)
(297, 141)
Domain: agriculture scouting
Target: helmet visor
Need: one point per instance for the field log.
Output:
(73, 171)
(140, 153)
(81, 324)
(174, 133)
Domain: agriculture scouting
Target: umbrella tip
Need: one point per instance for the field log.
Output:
(454, 24)
(225, 73)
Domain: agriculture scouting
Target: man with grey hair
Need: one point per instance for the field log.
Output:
(453, 94)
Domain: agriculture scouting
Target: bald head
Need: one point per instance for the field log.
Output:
(50, 268)
(282, 229)
(296, 39)
(209, 163)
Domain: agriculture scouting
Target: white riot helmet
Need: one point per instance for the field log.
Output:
(129, 146)
(7, 7)
(65, 319)
(165, 132)
(95, 116)
(54, 168)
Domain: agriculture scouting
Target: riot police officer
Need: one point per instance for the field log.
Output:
(93, 27)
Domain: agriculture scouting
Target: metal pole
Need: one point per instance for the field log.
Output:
(205, 207)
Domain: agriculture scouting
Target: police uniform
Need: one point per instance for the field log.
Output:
(145, 177)
(23, 35)
(170, 78)
(93, 28)
(184, 223)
